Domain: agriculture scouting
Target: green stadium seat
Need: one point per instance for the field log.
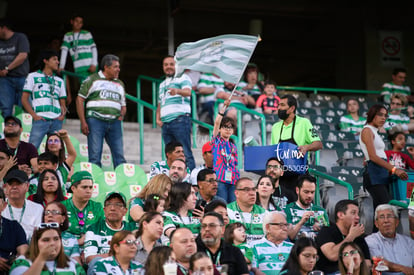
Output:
(130, 179)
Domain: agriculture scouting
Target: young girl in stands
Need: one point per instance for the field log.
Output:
(154, 203)
(225, 155)
(352, 122)
(235, 234)
(395, 156)
(269, 101)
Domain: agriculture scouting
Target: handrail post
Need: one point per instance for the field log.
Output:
(239, 140)
(194, 117)
(155, 103)
(140, 117)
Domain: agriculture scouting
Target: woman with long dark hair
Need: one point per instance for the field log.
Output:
(265, 189)
(148, 235)
(351, 260)
(48, 188)
(302, 258)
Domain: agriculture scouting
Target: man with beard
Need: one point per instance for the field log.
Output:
(99, 234)
(295, 130)
(245, 210)
(282, 196)
(221, 253)
(25, 153)
(174, 109)
(184, 246)
(178, 171)
(173, 150)
(307, 218)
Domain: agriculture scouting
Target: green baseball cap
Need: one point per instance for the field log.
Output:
(78, 176)
(113, 194)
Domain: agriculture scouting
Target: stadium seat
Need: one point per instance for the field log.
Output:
(321, 127)
(351, 179)
(27, 121)
(328, 155)
(130, 179)
(306, 112)
(297, 94)
(350, 157)
(324, 97)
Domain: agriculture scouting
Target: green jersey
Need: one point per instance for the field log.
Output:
(269, 257)
(246, 250)
(208, 80)
(103, 98)
(80, 220)
(21, 265)
(99, 235)
(388, 89)
(70, 245)
(393, 120)
(348, 124)
(253, 221)
(134, 202)
(294, 214)
(173, 220)
(109, 265)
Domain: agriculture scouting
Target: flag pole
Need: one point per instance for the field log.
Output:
(245, 65)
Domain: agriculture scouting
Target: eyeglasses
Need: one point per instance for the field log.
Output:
(52, 212)
(53, 141)
(81, 221)
(211, 225)
(247, 189)
(308, 256)
(274, 167)
(211, 181)
(388, 217)
(44, 225)
(129, 242)
(281, 225)
(227, 127)
(352, 252)
(114, 205)
(12, 124)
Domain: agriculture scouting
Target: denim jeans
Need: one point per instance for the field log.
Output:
(111, 131)
(226, 191)
(41, 127)
(10, 93)
(180, 130)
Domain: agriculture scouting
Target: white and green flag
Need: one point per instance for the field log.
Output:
(224, 55)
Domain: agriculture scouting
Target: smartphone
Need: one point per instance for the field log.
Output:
(200, 203)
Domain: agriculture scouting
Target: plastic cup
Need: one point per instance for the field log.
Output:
(170, 268)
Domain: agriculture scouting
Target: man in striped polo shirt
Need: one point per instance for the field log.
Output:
(104, 97)
(48, 94)
(271, 252)
(174, 109)
(396, 86)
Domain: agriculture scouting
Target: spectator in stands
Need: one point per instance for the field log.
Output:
(46, 160)
(173, 150)
(26, 212)
(351, 260)
(251, 84)
(245, 209)
(148, 235)
(49, 189)
(238, 98)
(7, 161)
(121, 256)
(306, 217)
(81, 47)
(268, 102)
(209, 241)
(200, 262)
(100, 233)
(46, 253)
(235, 234)
(207, 151)
(25, 153)
(396, 117)
(159, 184)
(295, 130)
(12, 239)
(225, 155)
(265, 188)
(396, 86)
(352, 122)
(82, 211)
(178, 171)
(218, 206)
(56, 212)
(272, 251)
(397, 250)
(282, 196)
(184, 246)
(207, 187)
(208, 86)
(44, 98)
(59, 143)
(181, 211)
(376, 176)
(157, 258)
(302, 258)
(14, 66)
(104, 111)
(345, 229)
(154, 203)
(395, 156)
(174, 108)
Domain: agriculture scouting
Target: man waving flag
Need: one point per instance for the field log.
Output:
(224, 55)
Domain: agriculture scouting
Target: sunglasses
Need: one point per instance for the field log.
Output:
(45, 225)
(352, 252)
(53, 141)
(52, 212)
(81, 221)
(129, 242)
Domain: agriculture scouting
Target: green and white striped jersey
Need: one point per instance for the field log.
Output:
(173, 106)
(45, 91)
(253, 221)
(21, 265)
(110, 266)
(70, 245)
(208, 80)
(348, 124)
(173, 220)
(388, 89)
(104, 98)
(269, 257)
(393, 120)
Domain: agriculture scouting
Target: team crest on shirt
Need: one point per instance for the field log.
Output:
(256, 218)
(90, 215)
(281, 258)
(65, 242)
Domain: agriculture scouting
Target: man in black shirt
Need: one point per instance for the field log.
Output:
(282, 196)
